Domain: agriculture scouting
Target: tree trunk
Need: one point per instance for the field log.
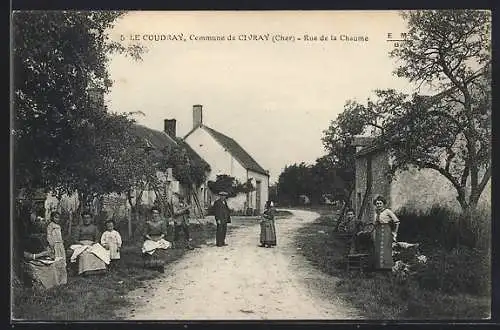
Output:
(131, 214)
(70, 223)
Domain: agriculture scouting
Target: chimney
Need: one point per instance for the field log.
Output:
(170, 128)
(197, 115)
(96, 96)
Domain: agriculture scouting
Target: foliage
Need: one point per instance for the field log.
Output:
(59, 59)
(187, 168)
(448, 51)
(229, 184)
(295, 180)
(314, 181)
(455, 289)
(273, 192)
(443, 228)
(337, 140)
(461, 270)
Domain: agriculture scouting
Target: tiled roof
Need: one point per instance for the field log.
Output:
(157, 139)
(236, 151)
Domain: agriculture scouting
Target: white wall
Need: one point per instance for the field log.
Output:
(420, 189)
(264, 189)
(237, 203)
(220, 160)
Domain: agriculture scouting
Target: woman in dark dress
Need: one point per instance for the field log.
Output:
(41, 268)
(267, 226)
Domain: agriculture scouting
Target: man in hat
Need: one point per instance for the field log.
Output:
(222, 217)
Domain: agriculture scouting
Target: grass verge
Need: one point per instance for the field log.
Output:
(97, 297)
(382, 296)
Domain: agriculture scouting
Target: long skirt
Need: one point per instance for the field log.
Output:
(155, 260)
(59, 251)
(267, 232)
(45, 276)
(383, 247)
(89, 263)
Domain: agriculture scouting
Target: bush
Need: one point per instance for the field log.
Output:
(461, 270)
(444, 228)
(457, 247)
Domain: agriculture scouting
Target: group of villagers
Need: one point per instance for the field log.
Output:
(46, 260)
(377, 237)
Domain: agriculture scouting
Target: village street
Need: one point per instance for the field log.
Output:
(241, 281)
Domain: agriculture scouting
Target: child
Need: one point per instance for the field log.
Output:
(112, 241)
(54, 237)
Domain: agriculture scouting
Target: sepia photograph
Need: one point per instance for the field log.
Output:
(251, 165)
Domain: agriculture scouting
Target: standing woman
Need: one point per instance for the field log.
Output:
(155, 245)
(267, 226)
(386, 229)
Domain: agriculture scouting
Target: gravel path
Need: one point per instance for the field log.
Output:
(241, 281)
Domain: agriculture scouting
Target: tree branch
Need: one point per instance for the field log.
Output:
(451, 154)
(465, 175)
(484, 180)
(446, 174)
(447, 116)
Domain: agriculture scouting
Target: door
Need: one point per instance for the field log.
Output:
(257, 196)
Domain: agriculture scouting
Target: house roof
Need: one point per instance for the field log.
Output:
(236, 151)
(159, 140)
(362, 141)
(191, 153)
(370, 150)
(156, 138)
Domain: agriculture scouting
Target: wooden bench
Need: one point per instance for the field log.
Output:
(357, 262)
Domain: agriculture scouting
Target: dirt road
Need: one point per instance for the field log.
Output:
(241, 281)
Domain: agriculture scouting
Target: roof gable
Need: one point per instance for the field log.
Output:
(236, 151)
(193, 155)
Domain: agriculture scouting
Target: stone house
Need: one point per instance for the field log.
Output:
(413, 189)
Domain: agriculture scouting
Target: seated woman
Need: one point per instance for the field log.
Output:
(41, 268)
(92, 257)
(267, 226)
(155, 245)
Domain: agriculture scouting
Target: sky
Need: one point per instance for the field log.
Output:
(274, 98)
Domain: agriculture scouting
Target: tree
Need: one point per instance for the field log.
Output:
(273, 192)
(448, 132)
(59, 58)
(338, 138)
(229, 184)
(451, 52)
(295, 180)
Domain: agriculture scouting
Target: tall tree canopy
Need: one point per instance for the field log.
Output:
(59, 67)
(450, 131)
